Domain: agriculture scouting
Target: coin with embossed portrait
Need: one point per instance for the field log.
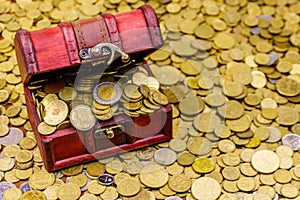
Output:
(82, 117)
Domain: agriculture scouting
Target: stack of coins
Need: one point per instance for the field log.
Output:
(60, 101)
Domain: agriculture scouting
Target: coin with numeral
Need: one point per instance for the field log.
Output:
(106, 179)
(107, 93)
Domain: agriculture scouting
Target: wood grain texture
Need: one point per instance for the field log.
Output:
(38, 52)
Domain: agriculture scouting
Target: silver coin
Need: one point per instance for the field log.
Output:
(273, 58)
(25, 187)
(265, 17)
(105, 89)
(275, 134)
(13, 137)
(255, 30)
(165, 156)
(106, 179)
(5, 186)
(173, 198)
(58, 174)
(292, 140)
(84, 188)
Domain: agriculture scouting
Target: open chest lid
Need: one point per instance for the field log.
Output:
(97, 42)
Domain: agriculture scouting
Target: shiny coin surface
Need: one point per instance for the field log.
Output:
(165, 156)
(82, 117)
(105, 179)
(14, 137)
(292, 140)
(5, 186)
(107, 93)
(25, 187)
(56, 112)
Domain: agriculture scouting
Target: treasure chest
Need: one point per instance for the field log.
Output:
(88, 90)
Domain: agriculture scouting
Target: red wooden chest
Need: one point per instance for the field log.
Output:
(107, 44)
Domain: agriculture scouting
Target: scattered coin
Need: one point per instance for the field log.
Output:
(5, 186)
(213, 188)
(165, 156)
(14, 136)
(25, 187)
(265, 161)
(292, 140)
(105, 179)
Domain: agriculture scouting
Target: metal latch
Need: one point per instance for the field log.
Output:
(103, 53)
(108, 132)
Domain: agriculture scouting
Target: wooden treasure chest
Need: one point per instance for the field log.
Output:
(88, 90)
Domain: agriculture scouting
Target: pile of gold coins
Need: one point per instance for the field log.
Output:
(230, 69)
(59, 104)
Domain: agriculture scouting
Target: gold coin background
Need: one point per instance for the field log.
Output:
(235, 38)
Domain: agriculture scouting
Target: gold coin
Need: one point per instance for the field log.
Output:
(204, 31)
(239, 125)
(51, 192)
(82, 117)
(23, 173)
(288, 87)
(12, 194)
(40, 180)
(186, 158)
(79, 179)
(110, 193)
(49, 98)
(11, 150)
(231, 173)
(13, 111)
(213, 188)
(259, 79)
(55, 112)
(24, 156)
(224, 41)
(287, 116)
(27, 143)
(4, 95)
(67, 94)
(265, 161)
(167, 75)
(206, 122)
(159, 98)
(4, 130)
(129, 187)
(46, 129)
(95, 168)
(114, 167)
(203, 165)
(95, 188)
(72, 171)
(154, 176)
(33, 194)
(131, 91)
(262, 59)
(180, 183)
(253, 142)
(226, 146)
(139, 78)
(289, 191)
(246, 184)
(68, 191)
